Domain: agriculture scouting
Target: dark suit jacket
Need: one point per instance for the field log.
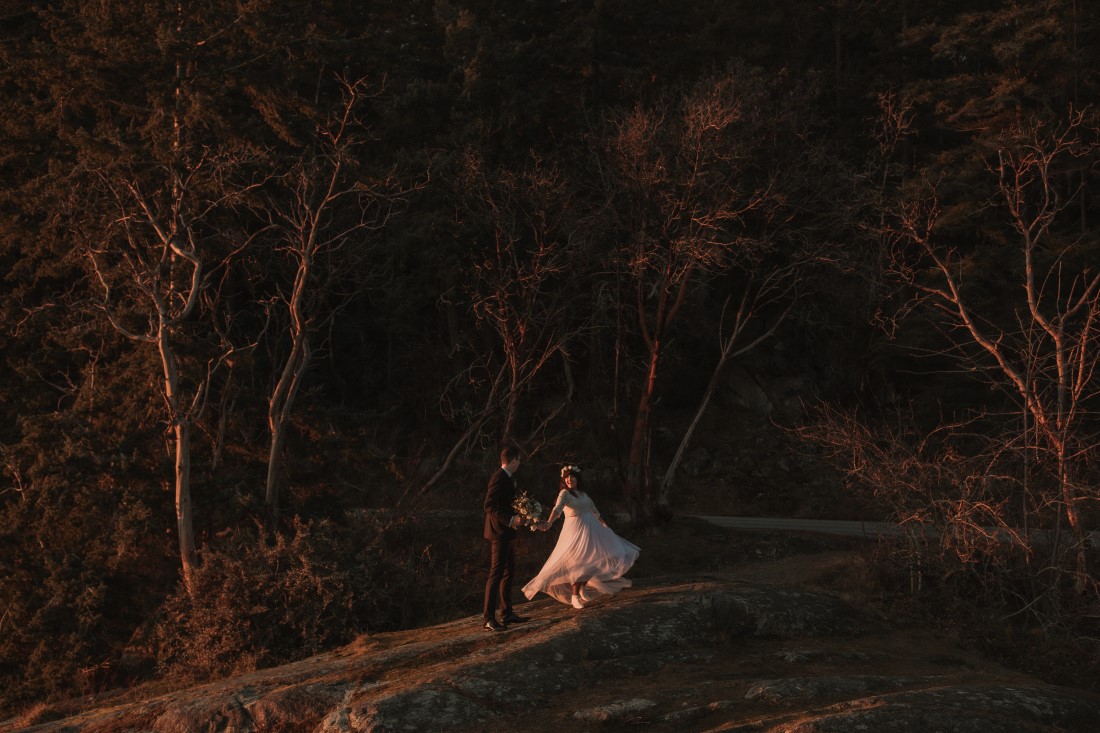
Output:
(498, 506)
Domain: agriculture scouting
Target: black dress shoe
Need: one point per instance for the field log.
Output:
(511, 618)
(494, 625)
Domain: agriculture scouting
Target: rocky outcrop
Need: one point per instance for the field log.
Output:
(713, 654)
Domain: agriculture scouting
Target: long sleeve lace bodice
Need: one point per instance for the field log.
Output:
(571, 505)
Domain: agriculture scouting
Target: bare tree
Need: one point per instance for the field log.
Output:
(766, 300)
(320, 214)
(152, 260)
(519, 283)
(149, 263)
(677, 180)
(947, 488)
(1046, 354)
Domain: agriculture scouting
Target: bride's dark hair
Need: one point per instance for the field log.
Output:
(575, 472)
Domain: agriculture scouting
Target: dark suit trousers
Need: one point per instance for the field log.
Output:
(501, 567)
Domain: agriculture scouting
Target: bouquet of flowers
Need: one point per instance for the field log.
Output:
(528, 509)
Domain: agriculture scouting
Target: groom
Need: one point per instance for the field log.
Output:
(500, 523)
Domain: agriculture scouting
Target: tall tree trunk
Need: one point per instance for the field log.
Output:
(184, 522)
(510, 410)
(278, 414)
(274, 468)
(750, 304)
(1069, 499)
(664, 504)
(182, 430)
(637, 489)
(227, 403)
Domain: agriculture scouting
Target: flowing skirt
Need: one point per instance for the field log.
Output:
(586, 551)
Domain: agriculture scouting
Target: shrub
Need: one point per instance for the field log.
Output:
(264, 598)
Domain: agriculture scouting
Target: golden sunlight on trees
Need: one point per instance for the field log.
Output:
(991, 484)
(149, 263)
(1048, 354)
(681, 178)
(240, 295)
(319, 216)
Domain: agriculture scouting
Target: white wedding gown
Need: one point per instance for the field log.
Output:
(586, 550)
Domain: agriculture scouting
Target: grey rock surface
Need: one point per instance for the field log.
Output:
(714, 654)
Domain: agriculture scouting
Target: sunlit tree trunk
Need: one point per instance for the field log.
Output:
(157, 257)
(775, 286)
(278, 418)
(286, 388)
(181, 429)
(320, 217)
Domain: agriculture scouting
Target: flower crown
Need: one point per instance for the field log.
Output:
(566, 470)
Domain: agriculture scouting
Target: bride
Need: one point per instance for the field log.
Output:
(589, 559)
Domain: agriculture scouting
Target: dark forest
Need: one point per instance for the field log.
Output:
(279, 278)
